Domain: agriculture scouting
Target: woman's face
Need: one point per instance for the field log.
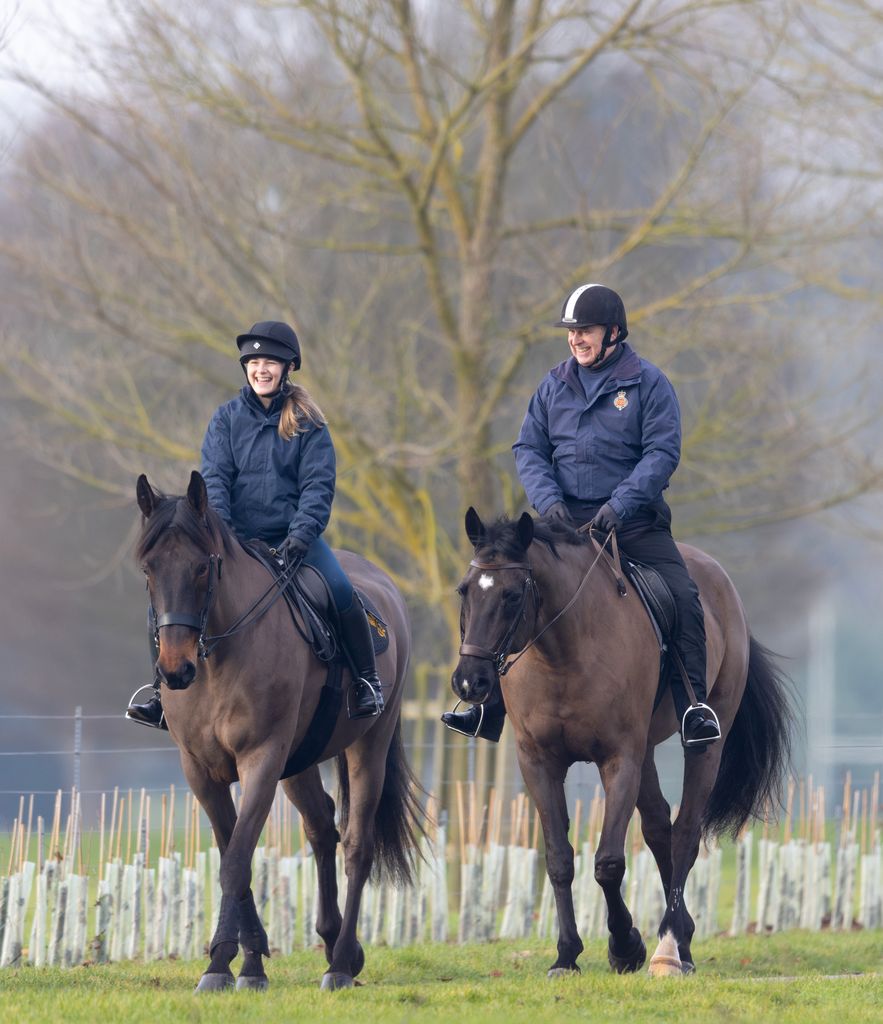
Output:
(265, 377)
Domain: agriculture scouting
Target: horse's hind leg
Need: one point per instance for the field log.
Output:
(365, 763)
(316, 808)
(673, 956)
(546, 785)
(655, 819)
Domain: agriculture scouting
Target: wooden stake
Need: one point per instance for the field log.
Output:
(12, 846)
(461, 822)
(56, 827)
(101, 819)
(140, 819)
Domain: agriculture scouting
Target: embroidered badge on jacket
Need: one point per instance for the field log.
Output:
(621, 401)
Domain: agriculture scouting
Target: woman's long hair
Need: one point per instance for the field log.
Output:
(299, 411)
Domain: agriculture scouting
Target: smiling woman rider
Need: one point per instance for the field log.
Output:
(269, 468)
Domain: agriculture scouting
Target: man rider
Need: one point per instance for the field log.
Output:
(601, 438)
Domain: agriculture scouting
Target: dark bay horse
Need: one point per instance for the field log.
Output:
(239, 713)
(584, 691)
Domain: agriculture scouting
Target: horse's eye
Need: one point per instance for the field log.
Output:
(461, 589)
(145, 570)
(202, 570)
(511, 597)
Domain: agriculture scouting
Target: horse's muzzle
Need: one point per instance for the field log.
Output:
(181, 677)
(473, 679)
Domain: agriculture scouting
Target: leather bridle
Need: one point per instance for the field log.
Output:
(205, 645)
(500, 653)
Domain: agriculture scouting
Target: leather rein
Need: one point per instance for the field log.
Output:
(501, 652)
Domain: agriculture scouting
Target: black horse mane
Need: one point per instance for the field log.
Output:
(500, 538)
(208, 532)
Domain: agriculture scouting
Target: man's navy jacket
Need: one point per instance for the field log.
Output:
(622, 447)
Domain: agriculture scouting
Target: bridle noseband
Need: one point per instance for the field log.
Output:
(499, 655)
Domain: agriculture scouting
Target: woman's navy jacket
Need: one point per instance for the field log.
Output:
(261, 484)
(621, 448)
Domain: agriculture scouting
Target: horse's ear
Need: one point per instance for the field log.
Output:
(474, 527)
(197, 494)
(525, 529)
(148, 499)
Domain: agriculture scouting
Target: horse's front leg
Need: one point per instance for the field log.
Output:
(238, 920)
(620, 776)
(214, 798)
(545, 783)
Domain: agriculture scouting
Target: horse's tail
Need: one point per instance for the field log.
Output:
(757, 752)
(399, 818)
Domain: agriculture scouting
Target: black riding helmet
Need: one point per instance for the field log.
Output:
(593, 304)
(270, 339)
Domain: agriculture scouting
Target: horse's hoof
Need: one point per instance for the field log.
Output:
(215, 983)
(665, 962)
(333, 980)
(687, 967)
(562, 972)
(630, 961)
(254, 982)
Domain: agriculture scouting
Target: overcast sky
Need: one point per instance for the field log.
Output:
(35, 34)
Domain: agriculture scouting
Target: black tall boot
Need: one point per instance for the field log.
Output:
(365, 698)
(482, 720)
(699, 723)
(151, 713)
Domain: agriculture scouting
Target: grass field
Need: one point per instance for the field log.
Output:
(791, 977)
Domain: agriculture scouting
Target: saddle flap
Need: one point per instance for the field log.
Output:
(656, 596)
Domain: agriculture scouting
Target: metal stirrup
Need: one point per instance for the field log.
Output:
(462, 732)
(137, 721)
(701, 742)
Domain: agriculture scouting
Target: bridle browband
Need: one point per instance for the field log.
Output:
(498, 656)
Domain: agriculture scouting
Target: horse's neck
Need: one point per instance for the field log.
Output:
(577, 569)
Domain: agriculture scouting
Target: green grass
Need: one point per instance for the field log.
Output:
(783, 978)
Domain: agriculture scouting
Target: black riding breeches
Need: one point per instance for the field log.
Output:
(652, 544)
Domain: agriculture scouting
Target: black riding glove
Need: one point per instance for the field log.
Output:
(606, 519)
(293, 549)
(559, 512)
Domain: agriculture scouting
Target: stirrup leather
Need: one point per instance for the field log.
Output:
(463, 732)
(709, 713)
(138, 721)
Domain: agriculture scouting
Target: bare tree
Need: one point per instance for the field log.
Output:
(416, 187)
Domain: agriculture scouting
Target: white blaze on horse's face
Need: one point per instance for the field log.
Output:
(485, 581)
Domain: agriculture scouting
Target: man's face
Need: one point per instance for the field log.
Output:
(585, 343)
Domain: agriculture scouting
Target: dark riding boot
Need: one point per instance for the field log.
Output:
(151, 713)
(365, 698)
(482, 720)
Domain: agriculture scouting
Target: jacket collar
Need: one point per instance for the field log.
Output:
(254, 403)
(626, 370)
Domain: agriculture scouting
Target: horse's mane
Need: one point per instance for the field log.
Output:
(501, 537)
(172, 512)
